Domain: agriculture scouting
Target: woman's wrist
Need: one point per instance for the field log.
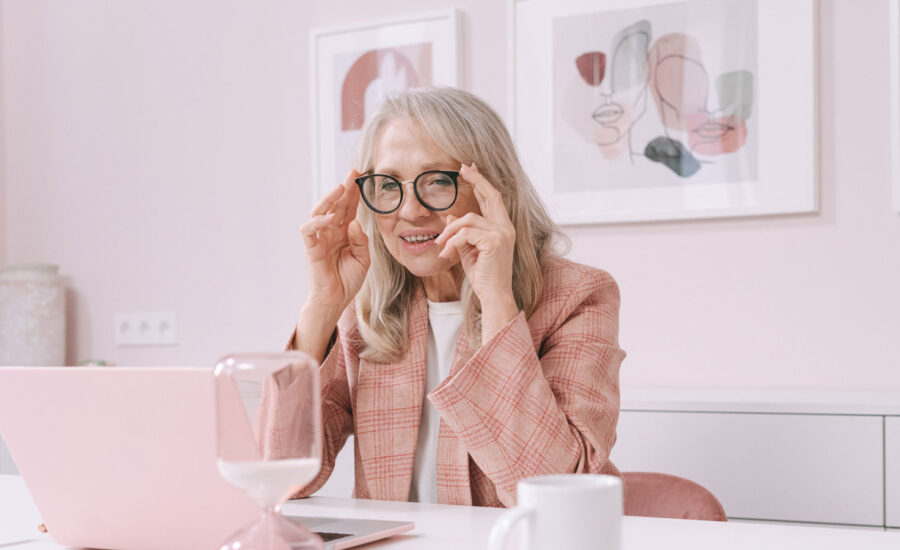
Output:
(315, 328)
(496, 312)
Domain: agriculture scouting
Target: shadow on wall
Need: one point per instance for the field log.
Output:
(78, 324)
(7, 466)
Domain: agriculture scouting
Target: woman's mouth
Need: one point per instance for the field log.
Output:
(415, 243)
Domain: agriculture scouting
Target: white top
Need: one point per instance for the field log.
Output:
(450, 527)
(444, 322)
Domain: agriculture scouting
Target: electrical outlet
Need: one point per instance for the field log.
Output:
(146, 328)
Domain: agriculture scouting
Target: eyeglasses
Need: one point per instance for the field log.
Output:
(436, 190)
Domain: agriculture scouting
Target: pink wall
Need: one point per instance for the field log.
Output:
(3, 213)
(160, 153)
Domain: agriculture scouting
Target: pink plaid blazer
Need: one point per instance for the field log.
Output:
(540, 397)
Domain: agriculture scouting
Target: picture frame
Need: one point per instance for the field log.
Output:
(708, 119)
(353, 66)
(894, 73)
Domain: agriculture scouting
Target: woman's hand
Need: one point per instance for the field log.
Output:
(337, 250)
(337, 257)
(484, 244)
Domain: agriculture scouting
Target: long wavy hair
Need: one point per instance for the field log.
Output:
(468, 130)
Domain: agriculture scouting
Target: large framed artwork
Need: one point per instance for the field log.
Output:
(636, 110)
(894, 72)
(353, 67)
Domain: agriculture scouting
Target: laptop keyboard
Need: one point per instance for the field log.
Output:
(332, 536)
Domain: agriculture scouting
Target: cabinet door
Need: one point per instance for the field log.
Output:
(790, 467)
(892, 469)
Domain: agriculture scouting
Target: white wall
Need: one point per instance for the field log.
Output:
(159, 152)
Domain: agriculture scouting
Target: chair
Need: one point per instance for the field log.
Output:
(659, 495)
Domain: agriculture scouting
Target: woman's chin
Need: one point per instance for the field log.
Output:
(427, 266)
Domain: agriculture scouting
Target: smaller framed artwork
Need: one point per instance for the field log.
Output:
(354, 66)
(666, 109)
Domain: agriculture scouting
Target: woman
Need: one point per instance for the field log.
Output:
(451, 239)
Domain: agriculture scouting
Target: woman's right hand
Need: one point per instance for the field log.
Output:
(337, 250)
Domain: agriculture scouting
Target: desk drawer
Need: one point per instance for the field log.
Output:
(790, 467)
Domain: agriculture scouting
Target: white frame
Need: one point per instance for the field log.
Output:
(894, 72)
(793, 189)
(330, 41)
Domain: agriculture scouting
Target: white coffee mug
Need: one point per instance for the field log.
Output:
(571, 511)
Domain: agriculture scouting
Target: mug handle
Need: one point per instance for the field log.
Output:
(502, 526)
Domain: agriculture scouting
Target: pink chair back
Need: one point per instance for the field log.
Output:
(659, 495)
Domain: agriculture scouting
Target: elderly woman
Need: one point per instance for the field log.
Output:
(461, 352)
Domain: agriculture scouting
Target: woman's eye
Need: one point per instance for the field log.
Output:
(443, 181)
(389, 185)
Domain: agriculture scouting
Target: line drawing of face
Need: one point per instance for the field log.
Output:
(680, 86)
(622, 91)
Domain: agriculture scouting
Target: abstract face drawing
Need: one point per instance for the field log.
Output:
(622, 91)
(680, 85)
(375, 74)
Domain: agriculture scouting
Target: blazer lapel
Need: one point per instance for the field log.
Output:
(453, 483)
(388, 411)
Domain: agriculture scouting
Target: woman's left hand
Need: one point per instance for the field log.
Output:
(484, 244)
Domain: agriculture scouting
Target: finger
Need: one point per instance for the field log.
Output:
(466, 237)
(359, 242)
(345, 206)
(327, 201)
(459, 249)
(489, 199)
(469, 220)
(355, 194)
(310, 229)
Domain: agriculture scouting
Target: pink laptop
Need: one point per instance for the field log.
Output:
(125, 458)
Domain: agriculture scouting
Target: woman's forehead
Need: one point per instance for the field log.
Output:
(403, 145)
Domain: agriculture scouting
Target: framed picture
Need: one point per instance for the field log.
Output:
(660, 110)
(894, 72)
(353, 67)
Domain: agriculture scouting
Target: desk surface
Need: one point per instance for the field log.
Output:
(447, 527)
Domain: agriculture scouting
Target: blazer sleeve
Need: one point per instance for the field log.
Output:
(337, 415)
(523, 411)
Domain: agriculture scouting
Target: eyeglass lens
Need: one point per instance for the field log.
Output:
(435, 190)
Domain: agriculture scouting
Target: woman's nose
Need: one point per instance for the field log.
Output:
(410, 207)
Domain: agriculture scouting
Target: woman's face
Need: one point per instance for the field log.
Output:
(404, 151)
(681, 91)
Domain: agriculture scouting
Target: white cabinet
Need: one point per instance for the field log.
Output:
(892, 469)
(789, 467)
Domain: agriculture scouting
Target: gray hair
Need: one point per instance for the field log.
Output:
(467, 130)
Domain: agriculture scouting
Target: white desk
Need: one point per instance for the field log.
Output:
(440, 527)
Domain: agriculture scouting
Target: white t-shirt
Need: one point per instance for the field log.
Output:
(444, 322)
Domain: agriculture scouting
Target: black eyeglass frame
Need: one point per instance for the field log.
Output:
(452, 174)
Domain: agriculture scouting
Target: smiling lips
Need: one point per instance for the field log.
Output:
(415, 242)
